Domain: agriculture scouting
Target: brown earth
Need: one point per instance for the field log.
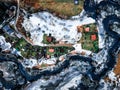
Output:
(117, 67)
(61, 8)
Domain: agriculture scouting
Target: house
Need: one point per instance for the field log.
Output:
(79, 29)
(49, 39)
(51, 50)
(87, 29)
(93, 37)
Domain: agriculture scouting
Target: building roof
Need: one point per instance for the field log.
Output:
(49, 39)
(80, 28)
(51, 50)
(93, 37)
(87, 29)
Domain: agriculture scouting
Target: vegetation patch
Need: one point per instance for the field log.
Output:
(29, 51)
(89, 38)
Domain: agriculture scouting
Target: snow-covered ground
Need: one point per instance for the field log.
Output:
(63, 30)
(101, 34)
(66, 79)
(112, 76)
(50, 61)
(78, 49)
(3, 44)
(30, 63)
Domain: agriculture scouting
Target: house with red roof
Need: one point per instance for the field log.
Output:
(51, 50)
(93, 37)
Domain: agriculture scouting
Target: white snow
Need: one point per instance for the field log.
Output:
(78, 49)
(72, 83)
(35, 85)
(50, 61)
(3, 44)
(98, 1)
(14, 51)
(101, 34)
(112, 76)
(104, 85)
(29, 63)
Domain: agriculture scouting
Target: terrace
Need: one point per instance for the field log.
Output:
(89, 38)
(38, 52)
